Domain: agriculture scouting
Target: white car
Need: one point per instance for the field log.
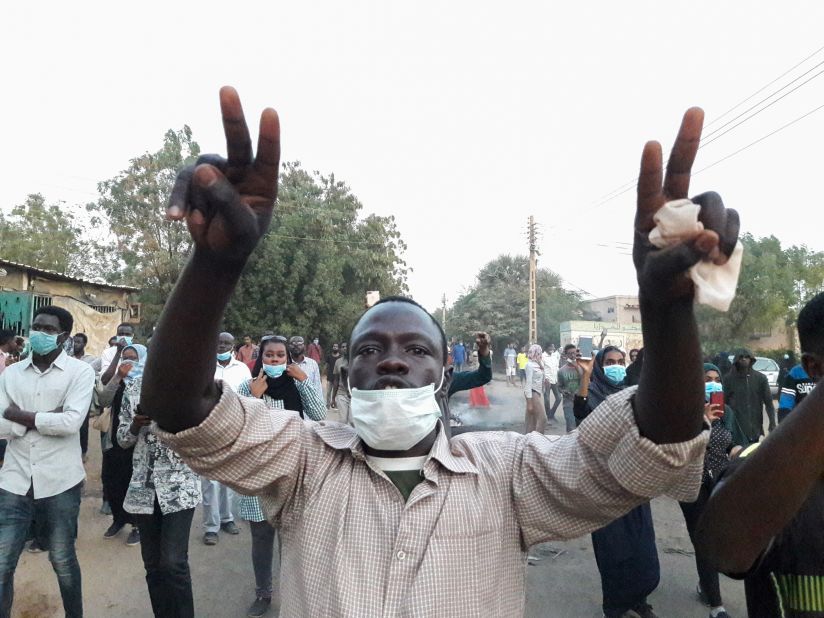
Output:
(769, 368)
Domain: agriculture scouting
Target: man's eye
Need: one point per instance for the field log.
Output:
(367, 350)
(419, 351)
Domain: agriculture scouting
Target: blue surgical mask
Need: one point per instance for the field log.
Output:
(274, 371)
(128, 340)
(615, 373)
(42, 343)
(712, 387)
(224, 356)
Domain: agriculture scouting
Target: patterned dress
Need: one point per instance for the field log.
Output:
(157, 469)
(314, 407)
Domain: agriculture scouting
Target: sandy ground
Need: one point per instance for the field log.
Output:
(562, 580)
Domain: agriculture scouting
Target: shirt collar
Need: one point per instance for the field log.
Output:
(59, 362)
(343, 437)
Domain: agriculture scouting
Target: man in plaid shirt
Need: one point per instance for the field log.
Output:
(390, 517)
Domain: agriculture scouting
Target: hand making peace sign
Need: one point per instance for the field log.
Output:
(662, 273)
(227, 203)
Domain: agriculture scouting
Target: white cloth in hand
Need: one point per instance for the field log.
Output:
(677, 221)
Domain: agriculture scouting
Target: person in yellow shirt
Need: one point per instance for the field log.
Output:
(521, 360)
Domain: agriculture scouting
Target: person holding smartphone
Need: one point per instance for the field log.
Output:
(719, 450)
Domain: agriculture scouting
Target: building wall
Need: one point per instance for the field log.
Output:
(621, 309)
(15, 279)
(624, 336)
(96, 310)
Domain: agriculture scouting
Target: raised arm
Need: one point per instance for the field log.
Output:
(765, 491)
(669, 404)
(227, 205)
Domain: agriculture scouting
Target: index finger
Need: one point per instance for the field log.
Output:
(679, 166)
(238, 142)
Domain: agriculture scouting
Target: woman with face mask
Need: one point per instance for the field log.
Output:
(720, 449)
(162, 496)
(534, 390)
(625, 549)
(117, 460)
(282, 385)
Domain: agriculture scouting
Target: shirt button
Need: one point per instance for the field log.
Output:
(401, 555)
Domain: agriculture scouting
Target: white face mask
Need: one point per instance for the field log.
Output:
(395, 419)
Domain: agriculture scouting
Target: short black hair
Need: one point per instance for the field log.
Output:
(570, 346)
(127, 324)
(63, 317)
(82, 336)
(811, 326)
(6, 336)
(409, 301)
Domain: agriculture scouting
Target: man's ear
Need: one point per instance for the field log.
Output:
(813, 365)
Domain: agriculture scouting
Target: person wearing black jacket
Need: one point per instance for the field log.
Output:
(747, 392)
(624, 549)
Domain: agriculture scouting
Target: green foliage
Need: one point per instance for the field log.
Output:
(48, 236)
(151, 249)
(310, 274)
(499, 304)
(773, 286)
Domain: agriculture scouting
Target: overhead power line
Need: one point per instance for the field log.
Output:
(764, 87)
(620, 190)
(760, 139)
(705, 141)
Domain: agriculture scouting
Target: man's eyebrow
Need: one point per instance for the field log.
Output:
(382, 335)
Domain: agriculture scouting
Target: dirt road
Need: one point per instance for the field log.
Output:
(563, 581)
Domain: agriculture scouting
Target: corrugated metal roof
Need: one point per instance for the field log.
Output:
(50, 274)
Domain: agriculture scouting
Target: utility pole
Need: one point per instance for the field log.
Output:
(443, 322)
(533, 292)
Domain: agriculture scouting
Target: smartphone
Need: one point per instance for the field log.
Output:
(717, 399)
(585, 347)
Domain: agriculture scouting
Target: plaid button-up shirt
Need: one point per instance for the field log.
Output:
(457, 547)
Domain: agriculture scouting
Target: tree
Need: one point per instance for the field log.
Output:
(48, 236)
(499, 303)
(150, 248)
(311, 271)
(773, 286)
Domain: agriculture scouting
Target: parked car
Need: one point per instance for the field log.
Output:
(769, 368)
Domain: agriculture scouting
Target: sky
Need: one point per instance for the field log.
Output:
(461, 119)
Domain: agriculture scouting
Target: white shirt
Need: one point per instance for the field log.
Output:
(47, 457)
(552, 363)
(233, 374)
(311, 369)
(107, 357)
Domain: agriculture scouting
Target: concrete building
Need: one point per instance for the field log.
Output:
(624, 336)
(621, 317)
(621, 309)
(97, 308)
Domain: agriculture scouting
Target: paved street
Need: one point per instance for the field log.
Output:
(562, 582)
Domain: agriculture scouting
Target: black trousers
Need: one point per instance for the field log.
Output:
(116, 476)
(164, 545)
(707, 575)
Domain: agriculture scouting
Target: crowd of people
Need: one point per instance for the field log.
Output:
(387, 512)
